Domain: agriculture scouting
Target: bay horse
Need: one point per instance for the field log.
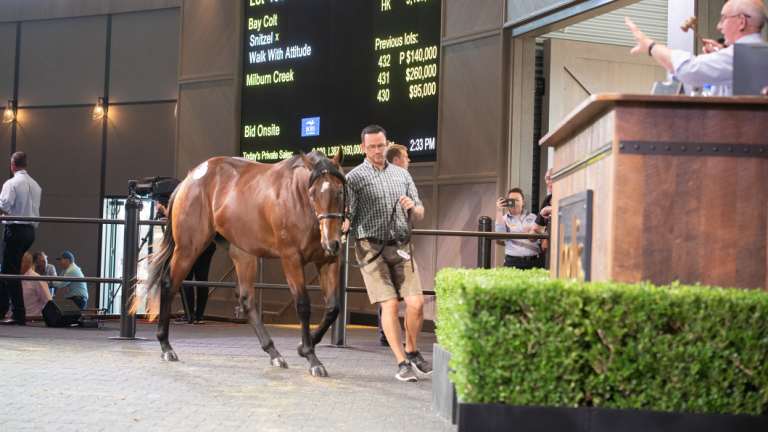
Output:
(291, 210)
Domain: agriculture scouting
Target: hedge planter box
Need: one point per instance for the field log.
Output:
(498, 417)
(640, 353)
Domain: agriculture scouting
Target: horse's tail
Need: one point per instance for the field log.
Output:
(159, 267)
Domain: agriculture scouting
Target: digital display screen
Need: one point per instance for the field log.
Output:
(316, 72)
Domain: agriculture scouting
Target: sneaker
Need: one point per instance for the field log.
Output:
(418, 363)
(405, 372)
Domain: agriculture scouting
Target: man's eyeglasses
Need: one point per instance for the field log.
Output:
(725, 17)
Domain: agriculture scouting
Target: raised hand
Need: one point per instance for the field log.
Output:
(643, 41)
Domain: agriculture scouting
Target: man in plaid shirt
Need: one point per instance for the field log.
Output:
(382, 198)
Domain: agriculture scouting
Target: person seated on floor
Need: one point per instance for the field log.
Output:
(77, 291)
(36, 293)
(44, 269)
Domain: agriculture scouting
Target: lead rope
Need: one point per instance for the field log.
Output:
(357, 264)
(406, 240)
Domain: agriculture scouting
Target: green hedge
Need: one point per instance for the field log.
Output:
(521, 338)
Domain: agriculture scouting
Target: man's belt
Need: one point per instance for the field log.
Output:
(374, 240)
(525, 258)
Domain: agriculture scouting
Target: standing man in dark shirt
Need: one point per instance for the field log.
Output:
(382, 197)
(20, 196)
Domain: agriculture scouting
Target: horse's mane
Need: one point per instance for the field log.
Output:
(296, 161)
(320, 161)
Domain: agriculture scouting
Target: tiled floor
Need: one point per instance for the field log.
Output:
(78, 379)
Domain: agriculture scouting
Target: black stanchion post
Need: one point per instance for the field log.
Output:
(130, 260)
(339, 329)
(484, 243)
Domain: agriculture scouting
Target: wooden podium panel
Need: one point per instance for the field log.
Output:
(679, 188)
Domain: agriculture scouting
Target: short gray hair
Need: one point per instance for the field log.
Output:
(754, 9)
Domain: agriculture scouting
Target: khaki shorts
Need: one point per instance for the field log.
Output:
(388, 276)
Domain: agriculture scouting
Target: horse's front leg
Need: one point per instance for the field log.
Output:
(329, 282)
(246, 266)
(294, 273)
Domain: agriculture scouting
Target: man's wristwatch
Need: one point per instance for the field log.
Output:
(650, 49)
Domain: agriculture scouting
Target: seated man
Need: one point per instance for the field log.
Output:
(77, 291)
(511, 217)
(741, 21)
(43, 268)
(36, 293)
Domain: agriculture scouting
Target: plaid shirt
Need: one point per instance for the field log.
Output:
(372, 194)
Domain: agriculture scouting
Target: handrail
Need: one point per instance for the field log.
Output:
(484, 234)
(80, 220)
(186, 283)
(87, 279)
(432, 232)
(129, 281)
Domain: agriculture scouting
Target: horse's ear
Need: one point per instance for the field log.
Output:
(307, 162)
(339, 158)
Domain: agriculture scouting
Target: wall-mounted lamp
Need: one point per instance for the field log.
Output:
(9, 115)
(100, 109)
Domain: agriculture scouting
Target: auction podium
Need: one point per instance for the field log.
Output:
(662, 188)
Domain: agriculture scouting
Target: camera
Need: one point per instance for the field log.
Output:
(156, 187)
(509, 203)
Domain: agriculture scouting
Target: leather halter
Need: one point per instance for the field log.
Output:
(322, 168)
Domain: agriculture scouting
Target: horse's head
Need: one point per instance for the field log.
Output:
(328, 199)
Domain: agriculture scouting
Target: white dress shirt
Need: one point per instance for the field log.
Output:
(519, 224)
(715, 69)
(21, 197)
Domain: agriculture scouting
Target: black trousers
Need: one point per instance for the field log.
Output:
(18, 239)
(194, 305)
(523, 263)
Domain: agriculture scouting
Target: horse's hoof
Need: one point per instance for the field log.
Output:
(170, 356)
(318, 371)
(279, 362)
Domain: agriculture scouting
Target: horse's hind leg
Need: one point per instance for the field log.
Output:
(246, 266)
(294, 273)
(180, 266)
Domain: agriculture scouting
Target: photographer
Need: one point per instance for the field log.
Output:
(194, 299)
(511, 217)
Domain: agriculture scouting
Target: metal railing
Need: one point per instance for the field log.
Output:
(131, 223)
